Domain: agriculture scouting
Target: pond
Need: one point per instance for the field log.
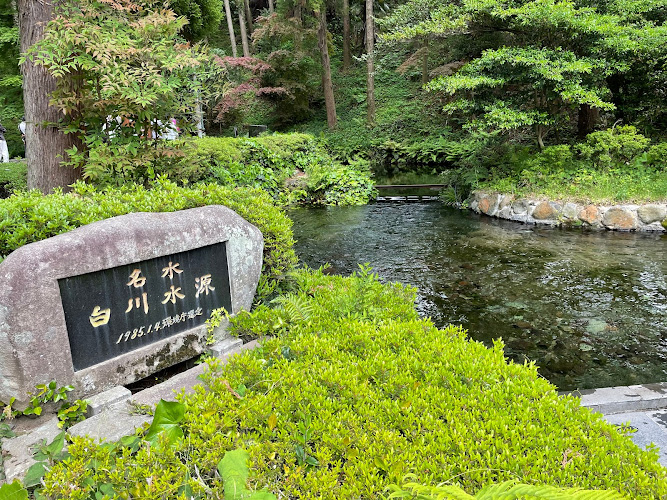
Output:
(590, 308)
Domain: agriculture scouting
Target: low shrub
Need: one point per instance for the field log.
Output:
(266, 162)
(30, 217)
(13, 177)
(613, 147)
(351, 393)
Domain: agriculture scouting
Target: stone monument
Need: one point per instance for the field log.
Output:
(117, 300)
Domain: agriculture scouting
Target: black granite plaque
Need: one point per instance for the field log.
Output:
(118, 310)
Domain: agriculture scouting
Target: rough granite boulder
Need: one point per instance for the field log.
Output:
(35, 341)
(652, 213)
(620, 219)
(590, 215)
(546, 211)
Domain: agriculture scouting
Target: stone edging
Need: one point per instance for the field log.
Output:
(650, 217)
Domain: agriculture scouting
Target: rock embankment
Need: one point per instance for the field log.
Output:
(649, 217)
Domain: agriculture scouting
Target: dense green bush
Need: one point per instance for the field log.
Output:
(350, 393)
(613, 147)
(12, 178)
(611, 166)
(266, 162)
(30, 217)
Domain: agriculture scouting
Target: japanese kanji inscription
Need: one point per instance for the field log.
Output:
(116, 310)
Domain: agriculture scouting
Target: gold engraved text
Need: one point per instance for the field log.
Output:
(99, 317)
(170, 270)
(136, 280)
(203, 285)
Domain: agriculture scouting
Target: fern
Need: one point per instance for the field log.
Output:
(509, 490)
(296, 308)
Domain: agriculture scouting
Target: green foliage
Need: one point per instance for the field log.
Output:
(122, 72)
(529, 64)
(69, 413)
(13, 177)
(233, 470)
(166, 420)
(203, 16)
(508, 490)
(29, 217)
(375, 393)
(292, 168)
(615, 165)
(11, 95)
(13, 491)
(613, 147)
(46, 456)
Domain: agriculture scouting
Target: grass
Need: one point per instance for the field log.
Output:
(586, 186)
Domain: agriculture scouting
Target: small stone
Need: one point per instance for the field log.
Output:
(590, 215)
(652, 213)
(620, 219)
(506, 201)
(520, 207)
(18, 451)
(545, 211)
(106, 399)
(488, 204)
(110, 425)
(504, 213)
(571, 210)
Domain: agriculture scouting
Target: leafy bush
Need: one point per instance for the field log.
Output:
(265, 162)
(613, 147)
(30, 217)
(13, 177)
(352, 392)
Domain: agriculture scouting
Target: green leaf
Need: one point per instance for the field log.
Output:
(13, 491)
(233, 469)
(168, 415)
(35, 474)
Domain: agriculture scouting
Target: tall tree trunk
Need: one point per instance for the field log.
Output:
(248, 15)
(244, 35)
(230, 26)
(370, 69)
(327, 84)
(425, 62)
(271, 9)
(346, 35)
(45, 143)
(587, 119)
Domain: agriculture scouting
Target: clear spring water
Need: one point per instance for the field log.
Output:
(590, 308)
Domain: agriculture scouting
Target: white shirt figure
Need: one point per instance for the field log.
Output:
(169, 132)
(4, 152)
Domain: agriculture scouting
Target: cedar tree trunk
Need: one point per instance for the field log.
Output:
(271, 7)
(327, 84)
(248, 16)
(588, 117)
(230, 26)
(244, 35)
(45, 143)
(370, 70)
(346, 35)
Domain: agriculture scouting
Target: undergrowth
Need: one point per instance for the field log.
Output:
(349, 393)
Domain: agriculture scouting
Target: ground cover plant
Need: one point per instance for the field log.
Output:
(351, 392)
(30, 217)
(610, 166)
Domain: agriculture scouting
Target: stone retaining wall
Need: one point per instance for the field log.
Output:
(651, 217)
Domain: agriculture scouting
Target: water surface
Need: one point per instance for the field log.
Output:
(590, 308)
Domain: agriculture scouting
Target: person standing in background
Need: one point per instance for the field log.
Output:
(22, 127)
(4, 151)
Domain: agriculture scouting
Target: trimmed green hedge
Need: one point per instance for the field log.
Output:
(292, 168)
(30, 217)
(354, 392)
